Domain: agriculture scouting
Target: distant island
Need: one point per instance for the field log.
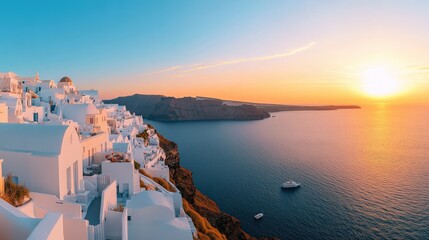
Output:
(162, 108)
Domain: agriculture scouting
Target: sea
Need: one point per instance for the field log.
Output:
(364, 172)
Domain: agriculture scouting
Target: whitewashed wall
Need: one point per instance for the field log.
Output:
(44, 203)
(3, 113)
(108, 200)
(122, 172)
(50, 228)
(38, 173)
(13, 223)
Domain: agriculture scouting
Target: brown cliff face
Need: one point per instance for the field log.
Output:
(191, 109)
(182, 178)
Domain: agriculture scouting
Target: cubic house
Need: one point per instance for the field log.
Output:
(72, 167)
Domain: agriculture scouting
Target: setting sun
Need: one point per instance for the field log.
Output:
(380, 81)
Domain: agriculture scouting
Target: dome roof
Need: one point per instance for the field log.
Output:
(66, 79)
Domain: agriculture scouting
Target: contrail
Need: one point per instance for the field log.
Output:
(201, 66)
(253, 59)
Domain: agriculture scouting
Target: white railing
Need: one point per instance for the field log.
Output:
(174, 186)
(96, 232)
(136, 181)
(102, 182)
(155, 184)
(192, 226)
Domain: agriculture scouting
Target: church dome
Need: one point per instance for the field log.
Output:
(66, 79)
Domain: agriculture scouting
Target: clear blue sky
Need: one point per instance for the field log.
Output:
(111, 44)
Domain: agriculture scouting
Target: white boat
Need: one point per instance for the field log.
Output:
(259, 215)
(290, 184)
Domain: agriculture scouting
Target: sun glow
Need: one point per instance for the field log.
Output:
(380, 81)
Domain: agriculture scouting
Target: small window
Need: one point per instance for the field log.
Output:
(91, 120)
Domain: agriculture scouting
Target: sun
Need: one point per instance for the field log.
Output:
(380, 82)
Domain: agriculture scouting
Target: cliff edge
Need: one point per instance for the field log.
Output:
(161, 108)
(207, 208)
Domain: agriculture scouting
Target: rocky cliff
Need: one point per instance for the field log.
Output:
(182, 178)
(161, 108)
(183, 109)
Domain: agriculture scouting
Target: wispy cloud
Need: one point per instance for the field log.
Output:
(202, 66)
(252, 59)
(165, 70)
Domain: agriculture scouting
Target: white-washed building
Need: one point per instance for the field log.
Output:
(46, 158)
(77, 157)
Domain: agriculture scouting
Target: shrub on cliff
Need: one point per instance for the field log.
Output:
(145, 173)
(205, 229)
(164, 184)
(160, 181)
(142, 184)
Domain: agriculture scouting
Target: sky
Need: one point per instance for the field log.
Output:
(294, 52)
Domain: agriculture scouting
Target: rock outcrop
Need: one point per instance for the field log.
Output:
(161, 108)
(185, 109)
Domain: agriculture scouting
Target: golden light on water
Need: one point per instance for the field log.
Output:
(381, 81)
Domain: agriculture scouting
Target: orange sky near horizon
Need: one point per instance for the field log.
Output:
(313, 55)
(290, 52)
(321, 74)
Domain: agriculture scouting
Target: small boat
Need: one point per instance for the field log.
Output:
(259, 215)
(290, 184)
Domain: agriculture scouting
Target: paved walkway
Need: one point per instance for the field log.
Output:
(93, 214)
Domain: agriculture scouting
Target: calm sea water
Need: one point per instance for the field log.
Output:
(364, 173)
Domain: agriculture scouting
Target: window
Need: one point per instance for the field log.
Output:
(69, 180)
(89, 157)
(35, 117)
(92, 155)
(91, 120)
